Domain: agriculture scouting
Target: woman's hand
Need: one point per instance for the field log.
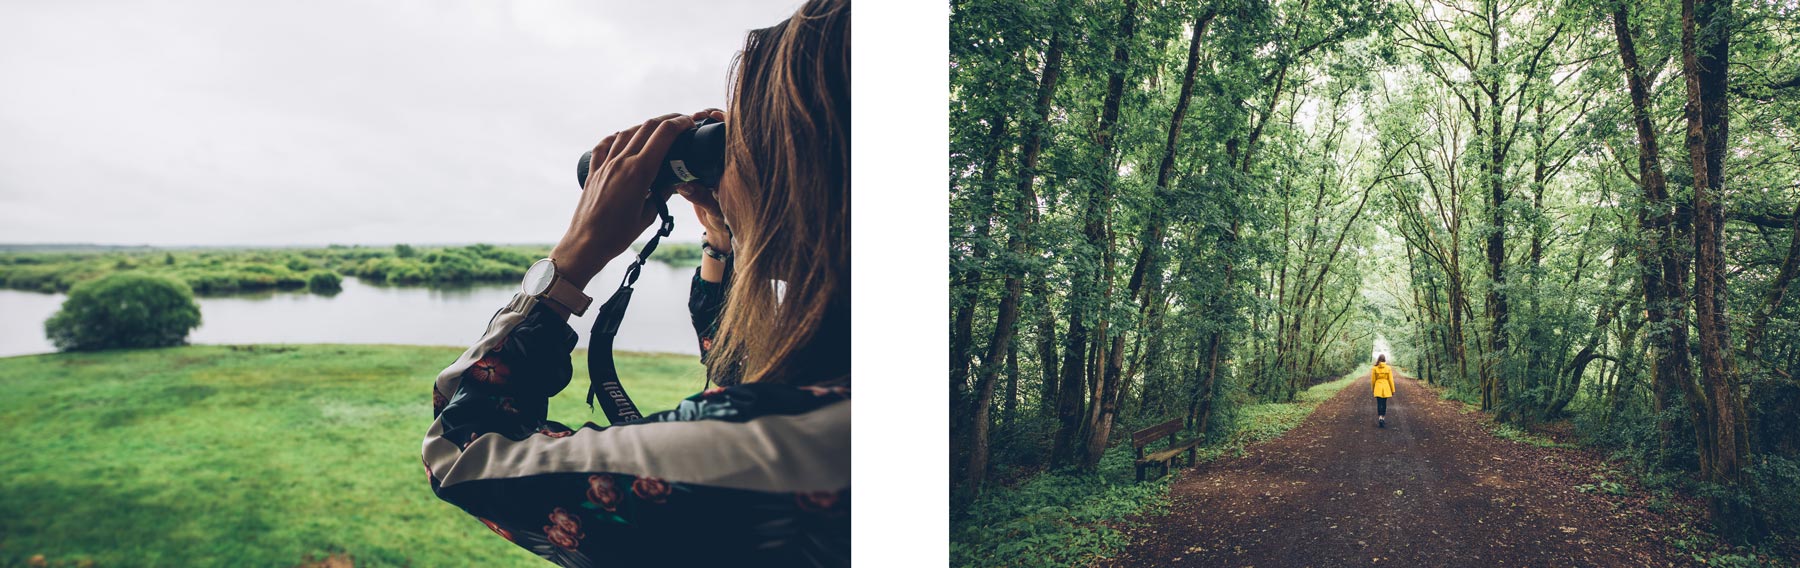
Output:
(706, 202)
(616, 205)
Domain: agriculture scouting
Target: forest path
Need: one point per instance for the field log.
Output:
(1434, 488)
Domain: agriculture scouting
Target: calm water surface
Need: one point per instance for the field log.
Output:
(367, 313)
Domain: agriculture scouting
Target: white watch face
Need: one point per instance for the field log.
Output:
(539, 278)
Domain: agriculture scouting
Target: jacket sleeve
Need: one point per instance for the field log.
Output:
(706, 300)
(504, 382)
(626, 493)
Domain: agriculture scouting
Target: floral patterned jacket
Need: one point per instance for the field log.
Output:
(753, 475)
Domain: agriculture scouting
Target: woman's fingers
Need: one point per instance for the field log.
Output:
(621, 140)
(700, 196)
(649, 128)
(657, 143)
(601, 151)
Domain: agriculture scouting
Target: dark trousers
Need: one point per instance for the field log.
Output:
(1381, 406)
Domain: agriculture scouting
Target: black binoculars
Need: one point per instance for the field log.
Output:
(697, 155)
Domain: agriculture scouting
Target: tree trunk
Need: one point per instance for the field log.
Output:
(1494, 391)
(1046, 344)
(968, 287)
(1103, 402)
(1072, 391)
(1664, 270)
(1200, 409)
(1705, 57)
(1006, 321)
(1012, 386)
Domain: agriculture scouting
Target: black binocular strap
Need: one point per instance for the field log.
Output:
(603, 378)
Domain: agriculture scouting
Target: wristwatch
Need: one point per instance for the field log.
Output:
(545, 283)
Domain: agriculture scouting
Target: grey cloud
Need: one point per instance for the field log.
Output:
(335, 122)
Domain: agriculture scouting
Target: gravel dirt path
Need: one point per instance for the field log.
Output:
(1434, 488)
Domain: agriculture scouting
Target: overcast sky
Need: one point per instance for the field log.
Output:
(311, 123)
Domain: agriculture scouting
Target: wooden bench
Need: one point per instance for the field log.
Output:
(1142, 438)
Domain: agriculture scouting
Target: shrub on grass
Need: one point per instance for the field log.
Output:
(122, 311)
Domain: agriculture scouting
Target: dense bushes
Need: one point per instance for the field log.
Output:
(122, 311)
(216, 272)
(475, 263)
(325, 283)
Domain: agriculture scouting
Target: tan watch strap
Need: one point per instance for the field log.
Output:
(570, 297)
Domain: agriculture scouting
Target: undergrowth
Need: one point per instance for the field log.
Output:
(1066, 517)
(1514, 433)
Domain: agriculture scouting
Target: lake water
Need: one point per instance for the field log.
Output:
(411, 315)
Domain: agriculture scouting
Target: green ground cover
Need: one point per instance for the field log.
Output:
(249, 455)
(1066, 518)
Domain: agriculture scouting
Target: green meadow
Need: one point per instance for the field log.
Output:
(260, 455)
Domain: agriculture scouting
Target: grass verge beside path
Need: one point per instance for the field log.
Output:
(1064, 518)
(250, 455)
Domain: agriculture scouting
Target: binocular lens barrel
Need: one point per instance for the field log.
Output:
(697, 155)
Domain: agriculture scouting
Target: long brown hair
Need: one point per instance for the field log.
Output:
(787, 317)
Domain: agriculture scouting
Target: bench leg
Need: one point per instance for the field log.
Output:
(1140, 473)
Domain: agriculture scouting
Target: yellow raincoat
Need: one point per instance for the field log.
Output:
(1383, 378)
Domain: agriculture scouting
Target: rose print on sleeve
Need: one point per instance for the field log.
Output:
(651, 489)
(564, 529)
(490, 369)
(602, 491)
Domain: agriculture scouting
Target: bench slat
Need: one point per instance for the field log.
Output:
(1172, 451)
(1144, 437)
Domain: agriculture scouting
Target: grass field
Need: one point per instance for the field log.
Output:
(249, 455)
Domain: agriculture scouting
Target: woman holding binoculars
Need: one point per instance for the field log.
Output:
(756, 469)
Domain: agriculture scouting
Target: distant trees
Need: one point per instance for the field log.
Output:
(126, 310)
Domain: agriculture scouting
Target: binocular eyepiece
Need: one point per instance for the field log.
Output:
(697, 155)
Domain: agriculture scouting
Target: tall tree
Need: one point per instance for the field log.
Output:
(1705, 60)
(1006, 322)
(1088, 281)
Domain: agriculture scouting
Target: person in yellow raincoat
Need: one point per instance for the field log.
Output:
(1382, 376)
